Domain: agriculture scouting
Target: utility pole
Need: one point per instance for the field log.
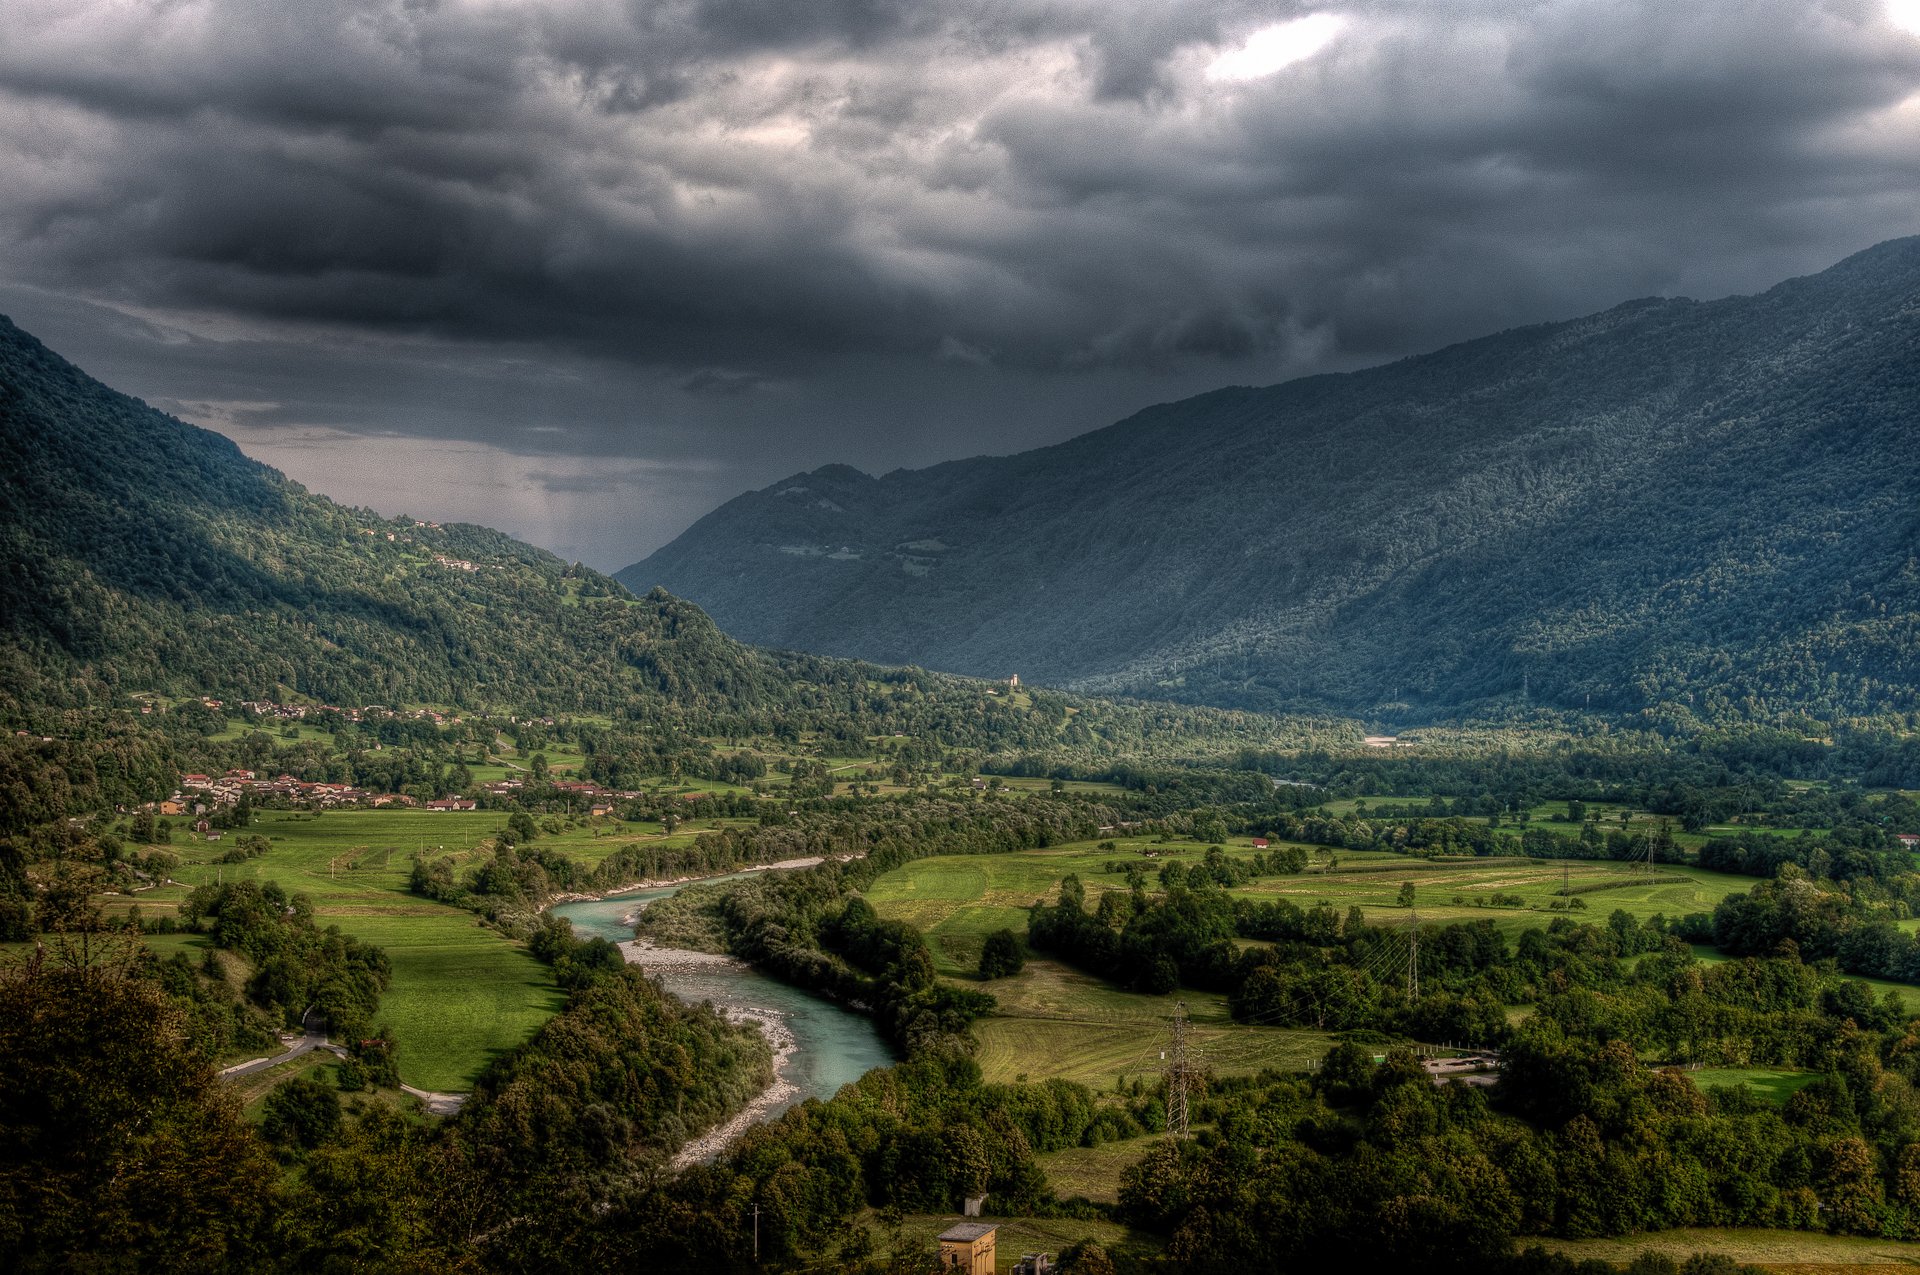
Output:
(1177, 1074)
(756, 1235)
(1563, 879)
(1413, 957)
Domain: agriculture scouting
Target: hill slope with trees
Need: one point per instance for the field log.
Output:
(143, 553)
(1705, 505)
(140, 555)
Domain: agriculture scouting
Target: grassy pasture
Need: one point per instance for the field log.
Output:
(1799, 1251)
(1551, 817)
(1054, 1020)
(1673, 891)
(460, 994)
(1093, 1172)
(1905, 991)
(1774, 1084)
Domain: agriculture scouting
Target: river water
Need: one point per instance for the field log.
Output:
(832, 1046)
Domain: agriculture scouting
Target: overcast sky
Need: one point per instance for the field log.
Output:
(582, 269)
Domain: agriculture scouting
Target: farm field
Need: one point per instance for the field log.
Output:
(1449, 891)
(1057, 1021)
(1797, 1251)
(957, 900)
(1054, 1020)
(1093, 1172)
(460, 993)
(1552, 817)
(1905, 991)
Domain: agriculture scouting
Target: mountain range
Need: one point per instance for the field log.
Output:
(144, 557)
(1711, 508)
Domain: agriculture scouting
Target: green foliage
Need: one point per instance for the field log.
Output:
(118, 1149)
(1001, 955)
(300, 969)
(301, 1112)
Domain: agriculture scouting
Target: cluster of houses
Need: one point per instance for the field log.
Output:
(227, 789)
(368, 712)
(200, 793)
(598, 801)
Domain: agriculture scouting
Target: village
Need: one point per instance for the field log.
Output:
(203, 794)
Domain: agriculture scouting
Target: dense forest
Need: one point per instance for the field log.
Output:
(1699, 509)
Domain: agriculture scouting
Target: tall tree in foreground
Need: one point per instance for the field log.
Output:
(118, 1149)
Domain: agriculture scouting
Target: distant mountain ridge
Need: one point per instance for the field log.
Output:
(1714, 507)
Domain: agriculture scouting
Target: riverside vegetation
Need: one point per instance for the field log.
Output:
(1103, 855)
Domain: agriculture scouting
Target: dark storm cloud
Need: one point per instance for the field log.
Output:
(706, 239)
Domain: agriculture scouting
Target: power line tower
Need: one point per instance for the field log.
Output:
(1413, 957)
(1177, 1074)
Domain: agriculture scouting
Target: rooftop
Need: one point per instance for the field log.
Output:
(967, 1232)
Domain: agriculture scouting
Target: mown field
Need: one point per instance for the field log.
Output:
(1795, 1251)
(1448, 891)
(1094, 1172)
(1054, 1020)
(1552, 817)
(461, 994)
(1057, 1021)
(956, 900)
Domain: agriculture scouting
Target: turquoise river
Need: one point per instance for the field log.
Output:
(832, 1046)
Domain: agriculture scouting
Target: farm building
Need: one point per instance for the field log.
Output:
(968, 1247)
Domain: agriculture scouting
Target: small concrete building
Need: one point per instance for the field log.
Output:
(968, 1247)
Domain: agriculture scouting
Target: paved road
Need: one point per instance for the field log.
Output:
(307, 1043)
(440, 1104)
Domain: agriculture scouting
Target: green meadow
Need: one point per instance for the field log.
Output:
(1053, 1020)
(461, 994)
(1801, 1252)
(956, 900)
(1056, 1021)
(1774, 1084)
(1453, 890)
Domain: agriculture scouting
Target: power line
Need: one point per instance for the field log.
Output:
(1413, 955)
(1177, 1074)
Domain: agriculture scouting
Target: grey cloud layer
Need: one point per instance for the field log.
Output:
(716, 203)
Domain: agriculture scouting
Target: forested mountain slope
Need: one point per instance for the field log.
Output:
(141, 553)
(1712, 506)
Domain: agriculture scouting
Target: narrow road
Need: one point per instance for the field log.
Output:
(311, 1041)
